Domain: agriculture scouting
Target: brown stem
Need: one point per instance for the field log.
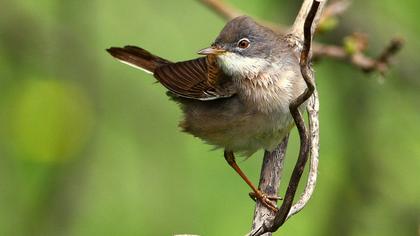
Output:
(334, 9)
(224, 10)
(228, 12)
(313, 113)
(300, 123)
(271, 173)
(358, 59)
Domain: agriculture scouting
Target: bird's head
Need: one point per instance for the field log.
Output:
(243, 47)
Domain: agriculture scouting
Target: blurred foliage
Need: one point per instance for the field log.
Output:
(89, 146)
(50, 120)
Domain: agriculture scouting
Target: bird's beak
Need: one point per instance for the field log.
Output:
(213, 50)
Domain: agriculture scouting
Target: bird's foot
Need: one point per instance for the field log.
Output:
(265, 199)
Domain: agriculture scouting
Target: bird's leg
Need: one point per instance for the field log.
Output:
(230, 158)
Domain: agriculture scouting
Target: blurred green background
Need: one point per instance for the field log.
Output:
(89, 146)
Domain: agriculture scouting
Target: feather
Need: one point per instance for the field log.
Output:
(138, 58)
(196, 79)
(199, 79)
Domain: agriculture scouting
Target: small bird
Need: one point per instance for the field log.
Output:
(237, 95)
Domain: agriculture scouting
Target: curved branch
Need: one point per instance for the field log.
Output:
(313, 110)
(308, 30)
(300, 123)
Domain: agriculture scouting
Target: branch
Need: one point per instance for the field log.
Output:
(262, 216)
(271, 173)
(297, 116)
(313, 110)
(333, 10)
(301, 25)
(228, 12)
(224, 10)
(273, 162)
(359, 59)
(310, 20)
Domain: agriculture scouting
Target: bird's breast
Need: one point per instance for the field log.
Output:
(269, 92)
(234, 125)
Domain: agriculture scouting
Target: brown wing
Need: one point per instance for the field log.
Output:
(197, 79)
(138, 58)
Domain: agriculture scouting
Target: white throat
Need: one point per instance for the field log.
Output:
(239, 66)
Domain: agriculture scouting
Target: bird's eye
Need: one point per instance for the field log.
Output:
(243, 43)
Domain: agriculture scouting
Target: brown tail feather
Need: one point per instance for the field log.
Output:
(137, 57)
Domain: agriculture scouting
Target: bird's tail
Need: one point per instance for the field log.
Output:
(138, 58)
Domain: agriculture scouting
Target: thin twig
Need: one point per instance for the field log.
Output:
(224, 10)
(228, 12)
(358, 59)
(383, 61)
(313, 110)
(334, 9)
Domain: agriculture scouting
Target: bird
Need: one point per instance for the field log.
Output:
(236, 96)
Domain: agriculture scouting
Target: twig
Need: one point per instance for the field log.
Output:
(383, 61)
(300, 123)
(313, 110)
(334, 9)
(224, 10)
(359, 60)
(228, 12)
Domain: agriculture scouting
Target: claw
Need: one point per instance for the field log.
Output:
(253, 196)
(266, 200)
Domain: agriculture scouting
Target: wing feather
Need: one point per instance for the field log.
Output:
(197, 79)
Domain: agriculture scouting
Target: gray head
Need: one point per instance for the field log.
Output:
(242, 44)
(244, 36)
